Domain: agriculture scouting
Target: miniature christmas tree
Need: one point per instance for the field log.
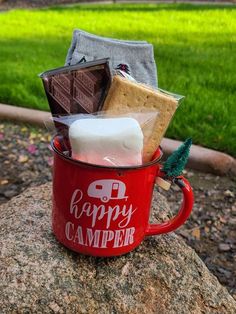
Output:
(176, 162)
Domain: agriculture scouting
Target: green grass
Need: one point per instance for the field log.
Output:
(194, 49)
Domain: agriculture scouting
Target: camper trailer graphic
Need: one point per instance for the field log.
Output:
(107, 190)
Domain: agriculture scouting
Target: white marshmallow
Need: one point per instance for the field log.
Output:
(107, 141)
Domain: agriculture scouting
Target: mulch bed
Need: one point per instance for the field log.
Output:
(26, 160)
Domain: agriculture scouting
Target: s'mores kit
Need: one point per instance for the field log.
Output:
(114, 120)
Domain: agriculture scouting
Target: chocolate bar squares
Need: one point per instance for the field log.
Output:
(77, 89)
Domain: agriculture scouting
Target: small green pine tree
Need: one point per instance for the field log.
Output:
(176, 162)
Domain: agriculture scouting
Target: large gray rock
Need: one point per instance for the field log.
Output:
(38, 275)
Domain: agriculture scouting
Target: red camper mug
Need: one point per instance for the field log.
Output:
(104, 211)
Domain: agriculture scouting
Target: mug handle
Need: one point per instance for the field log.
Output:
(183, 213)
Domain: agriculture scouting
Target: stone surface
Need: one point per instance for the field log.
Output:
(38, 275)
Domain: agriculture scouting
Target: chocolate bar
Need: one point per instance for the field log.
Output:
(61, 96)
(78, 88)
(89, 80)
(64, 80)
(82, 96)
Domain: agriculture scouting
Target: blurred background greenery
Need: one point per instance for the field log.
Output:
(194, 51)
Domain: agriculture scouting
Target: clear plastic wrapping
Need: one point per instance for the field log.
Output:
(107, 121)
(102, 139)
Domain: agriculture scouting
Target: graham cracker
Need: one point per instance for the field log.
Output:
(125, 96)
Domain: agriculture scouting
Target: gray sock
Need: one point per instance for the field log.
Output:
(134, 57)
